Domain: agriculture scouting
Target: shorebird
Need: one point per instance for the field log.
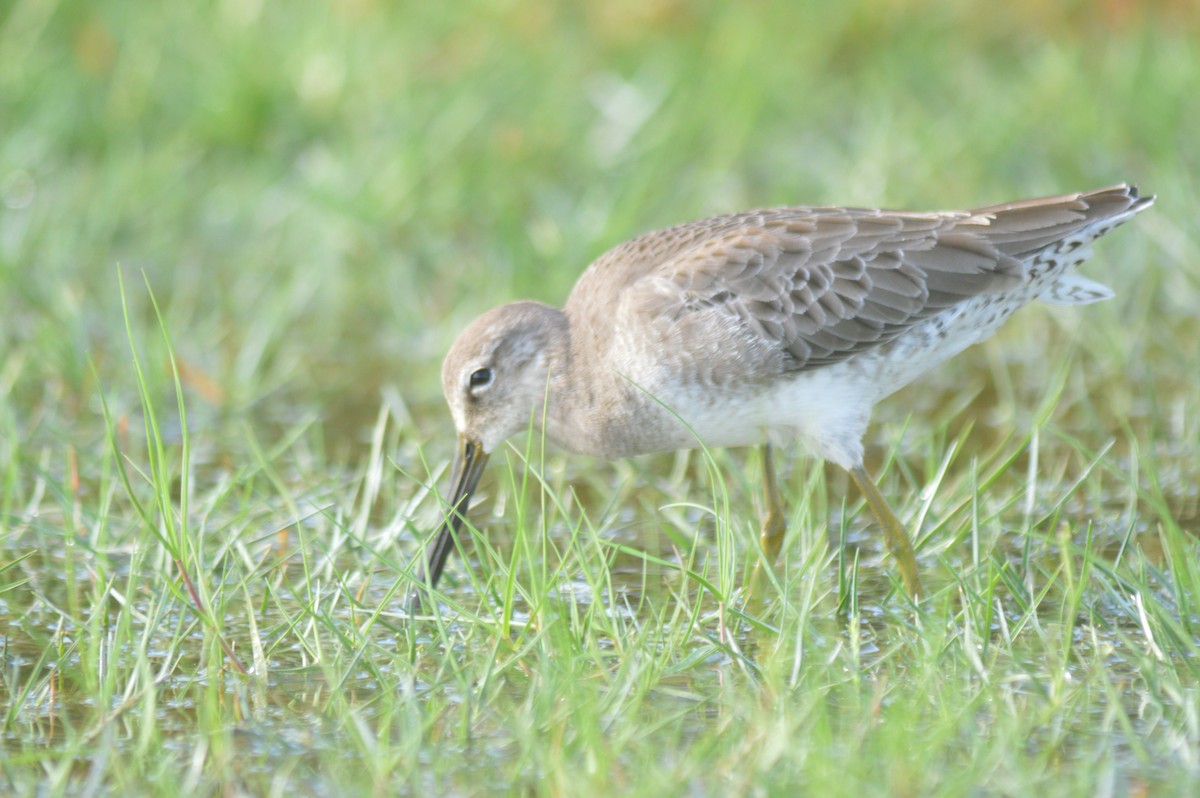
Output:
(757, 329)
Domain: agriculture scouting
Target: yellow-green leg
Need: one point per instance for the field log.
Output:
(774, 523)
(893, 533)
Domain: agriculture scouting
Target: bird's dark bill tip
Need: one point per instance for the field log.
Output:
(469, 461)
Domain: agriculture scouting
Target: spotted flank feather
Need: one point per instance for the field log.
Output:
(1075, 289)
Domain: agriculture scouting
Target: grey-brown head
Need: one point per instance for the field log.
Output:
(495, 379)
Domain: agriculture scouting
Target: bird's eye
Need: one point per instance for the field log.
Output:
(481, 378)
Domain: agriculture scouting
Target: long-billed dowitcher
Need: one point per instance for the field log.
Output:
(760, 328)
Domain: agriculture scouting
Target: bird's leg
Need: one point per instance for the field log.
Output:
(774, 524)
(893, 533)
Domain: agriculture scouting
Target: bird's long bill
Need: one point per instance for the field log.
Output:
(469, 461)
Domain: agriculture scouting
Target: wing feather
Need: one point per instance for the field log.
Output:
(819, 285)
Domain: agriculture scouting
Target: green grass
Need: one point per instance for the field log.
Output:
(237, 238)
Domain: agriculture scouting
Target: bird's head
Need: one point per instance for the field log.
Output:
(495, 378)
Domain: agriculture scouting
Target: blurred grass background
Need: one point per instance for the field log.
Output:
(321, 194)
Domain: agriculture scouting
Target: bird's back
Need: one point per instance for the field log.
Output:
(821, 284)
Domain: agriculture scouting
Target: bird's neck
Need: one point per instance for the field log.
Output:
(582, 389)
